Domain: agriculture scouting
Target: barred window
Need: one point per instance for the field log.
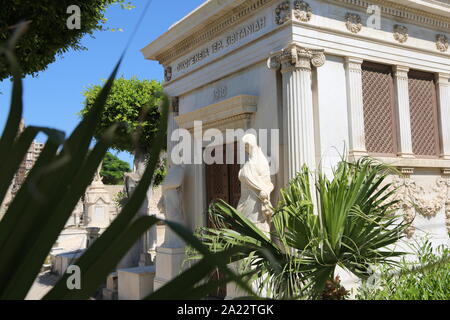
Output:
(379, 109)
(424, 114)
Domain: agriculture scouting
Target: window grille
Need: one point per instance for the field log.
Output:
(424, 114)
(379, 109)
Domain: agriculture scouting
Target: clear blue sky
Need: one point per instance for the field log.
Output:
(55, 97)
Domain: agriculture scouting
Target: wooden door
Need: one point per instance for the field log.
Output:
(222, 183)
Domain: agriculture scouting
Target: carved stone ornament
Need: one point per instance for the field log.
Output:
(283, 12)
(318, 59)
(400, 33)
(168, 74)
(414, 199)
(442, 43)
(256, 185)
(353, 22)
(296, 56)
(302, 11)
(176, 105)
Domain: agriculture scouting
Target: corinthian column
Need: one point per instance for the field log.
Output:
(298, 121)
(403, 111)
(355, 106)
(444, 108)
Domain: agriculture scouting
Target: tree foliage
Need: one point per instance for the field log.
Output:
(134, 104)
(48, 35)
(113, 169)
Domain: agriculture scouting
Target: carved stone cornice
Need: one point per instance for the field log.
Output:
(212, 30)
(391, 9)
(297, 57)
(233, 16)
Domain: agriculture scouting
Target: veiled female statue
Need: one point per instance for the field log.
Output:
(173, 205)
(256, 185)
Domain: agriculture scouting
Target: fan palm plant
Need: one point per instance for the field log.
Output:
(353, 227)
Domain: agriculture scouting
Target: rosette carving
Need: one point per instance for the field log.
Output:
(401, 33)
(168, 74)
(353, 22)
(302, 11)
(283, 12)
(442, 43)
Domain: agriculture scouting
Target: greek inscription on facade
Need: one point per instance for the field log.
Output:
(223, 43)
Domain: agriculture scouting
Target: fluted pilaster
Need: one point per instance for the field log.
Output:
(355, 106)
(442, 81)
(403, 111)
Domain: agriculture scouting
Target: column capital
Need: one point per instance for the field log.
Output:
(443, 78)
(296, 57)
(401, 71)
(401, 68)
(354, 63)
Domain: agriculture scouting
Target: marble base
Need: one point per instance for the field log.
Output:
(135, 283)
(168, 265)
(233, 290)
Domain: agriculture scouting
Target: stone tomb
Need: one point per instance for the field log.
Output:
(135, 283)
(97, 205)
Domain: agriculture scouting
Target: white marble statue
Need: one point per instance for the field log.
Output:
(98, 178)
(143, 252)
(256, 185)
(173, 205)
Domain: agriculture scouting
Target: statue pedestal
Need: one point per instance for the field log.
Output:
(168, 265)
(233, 290)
